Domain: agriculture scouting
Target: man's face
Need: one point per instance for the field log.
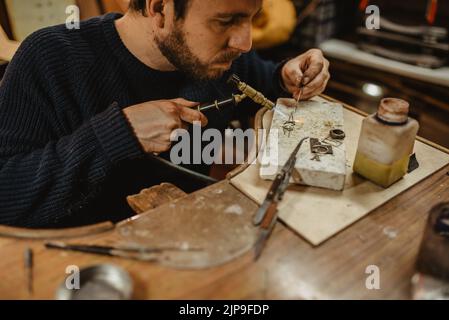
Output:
(211, 35)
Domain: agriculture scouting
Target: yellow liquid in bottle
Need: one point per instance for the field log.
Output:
(379, 173)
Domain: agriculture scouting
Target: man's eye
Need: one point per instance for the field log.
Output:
(226, 22)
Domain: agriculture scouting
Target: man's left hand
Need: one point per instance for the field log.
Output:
(309, 71)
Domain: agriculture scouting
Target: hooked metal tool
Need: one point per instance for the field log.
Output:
(301, 90)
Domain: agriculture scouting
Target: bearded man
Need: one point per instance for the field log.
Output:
(83, 111)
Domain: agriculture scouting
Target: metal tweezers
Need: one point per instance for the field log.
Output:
(267, 216)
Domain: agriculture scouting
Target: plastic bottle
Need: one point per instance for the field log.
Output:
(386, 143)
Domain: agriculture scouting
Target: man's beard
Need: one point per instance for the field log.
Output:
(177, 52)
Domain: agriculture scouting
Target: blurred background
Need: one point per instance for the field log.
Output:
(406, 58)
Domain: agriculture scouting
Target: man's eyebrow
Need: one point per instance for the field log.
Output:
(236, 14)
(232, 15)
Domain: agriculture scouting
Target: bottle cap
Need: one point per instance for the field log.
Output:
(393, 110)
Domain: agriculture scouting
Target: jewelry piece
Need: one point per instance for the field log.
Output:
(289, 125)
(335, 138)
(337, 134)
(318, 149)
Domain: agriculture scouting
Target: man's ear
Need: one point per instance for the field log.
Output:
(155, 9)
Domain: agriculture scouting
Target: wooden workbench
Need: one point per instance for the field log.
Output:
(290, 268)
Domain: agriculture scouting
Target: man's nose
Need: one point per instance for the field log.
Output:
(241, 39)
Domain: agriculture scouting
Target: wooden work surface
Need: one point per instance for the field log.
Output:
(289, 268)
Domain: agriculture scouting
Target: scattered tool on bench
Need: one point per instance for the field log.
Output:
(137, 253)
(28, 258)
(266, 216)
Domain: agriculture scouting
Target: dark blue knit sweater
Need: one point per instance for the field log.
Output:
(67, 154)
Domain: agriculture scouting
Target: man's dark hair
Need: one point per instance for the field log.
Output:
(180, 7)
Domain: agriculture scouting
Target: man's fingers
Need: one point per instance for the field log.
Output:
(292, 74)
(317, 82)
(190, 116)
(312, 72)
(158, 147)
(187, 114)
(185, 103)
(299, 94)
(317, 86)
(310, 94)
(316, 63)
(297, 76)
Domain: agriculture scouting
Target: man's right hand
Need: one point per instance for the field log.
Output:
(153, 122)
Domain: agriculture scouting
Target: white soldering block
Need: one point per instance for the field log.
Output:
(311, 119)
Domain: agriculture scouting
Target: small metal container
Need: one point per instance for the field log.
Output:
(100, 282)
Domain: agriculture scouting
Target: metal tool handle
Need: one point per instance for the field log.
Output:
(270, 216)
(219, 104)
(252, 93)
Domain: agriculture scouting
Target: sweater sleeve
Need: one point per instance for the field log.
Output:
(47, 175)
